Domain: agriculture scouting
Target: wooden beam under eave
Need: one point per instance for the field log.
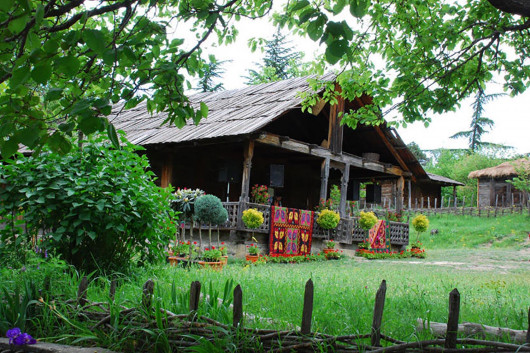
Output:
(335, 128)
(392, 150)
(318, 106)
(248, 153)
(317, 151)
(167, 171)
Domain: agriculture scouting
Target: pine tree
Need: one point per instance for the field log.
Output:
(479, 123)
(280, 62)
(208, 73)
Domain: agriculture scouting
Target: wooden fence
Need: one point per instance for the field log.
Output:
(182, 330)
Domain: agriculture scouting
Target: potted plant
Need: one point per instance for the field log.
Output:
(334, 255)
(224, 253)
(211, 257)
(328, 219)
(260, 194)
(184, 203)
(420, 223)
(330, 246)
(253, 252)
(209, 209)
(367, 220)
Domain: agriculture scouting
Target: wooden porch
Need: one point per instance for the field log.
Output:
(348, 231)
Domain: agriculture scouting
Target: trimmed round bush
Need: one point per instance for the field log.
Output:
(420, 223)
(328, 219)
(252, 218)
(208, 209)
(367, 220)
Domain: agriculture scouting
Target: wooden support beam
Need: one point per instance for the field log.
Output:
(318, 151)
(167, 171)
(324, 176)
(344, 189)
(335, 129)
(392, 150)
(409, 184)
(248, 153)
(399, 192)
(318, 106)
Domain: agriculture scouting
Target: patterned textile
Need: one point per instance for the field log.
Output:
(377, 236)
(291, 231)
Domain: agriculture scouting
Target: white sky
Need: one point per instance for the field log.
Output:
(511, 115)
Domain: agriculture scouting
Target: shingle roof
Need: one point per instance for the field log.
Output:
(443, 180)
(231, 113)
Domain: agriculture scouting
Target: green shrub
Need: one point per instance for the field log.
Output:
(367, 220)
(97, 206)
(252, 218)
(208, 209)
(328, 219)
(420, 223)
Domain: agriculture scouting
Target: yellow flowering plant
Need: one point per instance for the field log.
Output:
(328, 219)
(367, 220)
(420, 224)
(252, 218)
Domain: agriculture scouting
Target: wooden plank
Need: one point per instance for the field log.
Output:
(318, 106)
(452, 321)
(81, 291)
(147, 293)
(528, 329)
(248, 153)
(195, 294)
(167, 171)
(112, 290)
(238, 306)
(307, 312)
(399, 197)
(344, 189)
(378, 314)
(335, 129)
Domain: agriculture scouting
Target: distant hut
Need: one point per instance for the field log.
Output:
(493, 188)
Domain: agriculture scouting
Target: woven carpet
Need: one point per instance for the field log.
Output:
(291, 231)
(377, 236)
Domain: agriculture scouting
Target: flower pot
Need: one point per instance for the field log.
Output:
(173, 260)
(214, 265)
(329, 250)
(252, 258)
(224, 259)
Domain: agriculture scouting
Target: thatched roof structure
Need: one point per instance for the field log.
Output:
(504, 170)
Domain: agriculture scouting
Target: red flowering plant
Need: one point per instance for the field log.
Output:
(324, 205)
(260, 194)
(253, 249)
(211, 254)
(223, 249)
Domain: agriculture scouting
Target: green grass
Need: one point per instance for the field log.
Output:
(510, 231)
(492, 275)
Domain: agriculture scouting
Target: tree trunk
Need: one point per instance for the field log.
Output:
(516, 7)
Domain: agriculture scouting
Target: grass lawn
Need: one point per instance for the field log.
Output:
(490, 268)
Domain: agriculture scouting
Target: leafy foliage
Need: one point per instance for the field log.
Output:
(252, 218)
(185, 201)
(418, 153)
(367, 220)
(208, 209)
(522, 180)
(97, 206)
(420, 223)
(328, 219)
(423, 71)
(208, 73)
(65, 63)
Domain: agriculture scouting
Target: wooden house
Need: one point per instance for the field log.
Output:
(260, 135)
(493, 188)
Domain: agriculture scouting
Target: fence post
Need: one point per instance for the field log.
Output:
(195, 294)
(238, 306)
(528, 330)
(452, 321)
(81, 292)
(308, 308)
(378, 314)
(112, 290)
(147, 293)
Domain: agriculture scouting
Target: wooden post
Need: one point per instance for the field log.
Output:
(324, 176)
(112, 290)
(421, 202)
(81, 291)
(452, 321)
(378, 314)
(248, 153)
(238, 306)
(344, 189)
(528, 329)
(410, 193)
(195, 294)
(335, 128)
(428, 202)
(399, 197)
(167, 171)
(416, 203)
(147, 293)
(308, 308)
(442, 202)
(454, 193)
(435, 202)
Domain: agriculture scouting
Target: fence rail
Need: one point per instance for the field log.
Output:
(182, 329)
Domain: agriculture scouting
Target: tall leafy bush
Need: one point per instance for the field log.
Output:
(96, 206)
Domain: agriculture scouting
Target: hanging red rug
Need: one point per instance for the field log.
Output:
(291, 231)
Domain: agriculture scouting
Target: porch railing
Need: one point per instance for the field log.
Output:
(347, 232)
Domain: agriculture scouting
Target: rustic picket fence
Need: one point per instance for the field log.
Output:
(182, 330)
